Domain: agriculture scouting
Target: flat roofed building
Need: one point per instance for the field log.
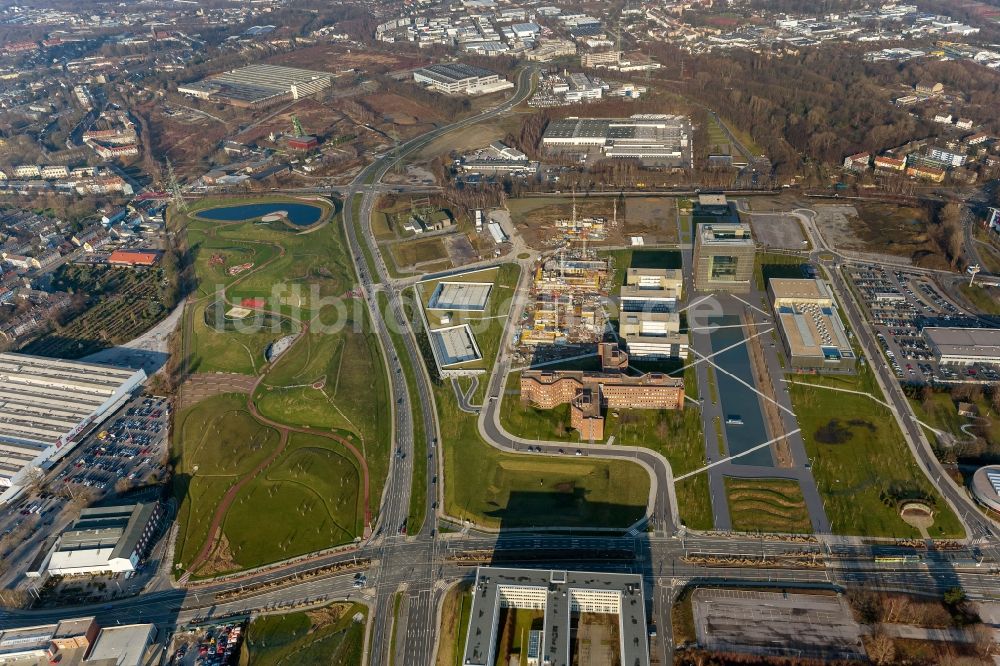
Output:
(123, 645)
(560, 594)
(653, 334)
(457, 78)
(466, 296)
(658, 139)
(111, 539)
(454, 345)
(588, 392)
(257, 86)
(964, 346)
(811, 329)
(64, 642)
(986, 486)
(651, 289)
(46, 404)
(723, 257)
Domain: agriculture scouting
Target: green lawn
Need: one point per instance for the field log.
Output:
(325, 637)
(215, 443)
(526, 491)
(219, 346)
(864, 476)
(940, 410)
(984, 299)
(410, 253)
(767, 505)
(677, 435)
(309, 499)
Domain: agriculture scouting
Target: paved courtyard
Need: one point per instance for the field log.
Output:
(774, 623)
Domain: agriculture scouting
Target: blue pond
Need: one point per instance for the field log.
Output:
(302, 215)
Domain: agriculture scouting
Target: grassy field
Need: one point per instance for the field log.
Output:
(521, 491)
(410, 253)
(327, 636)
(986, 300)
(940, 410)
(216, 442)
(331, 379)
(767, 505)
(860, 460)
(309, 499)
(454, 628)
(677, 435)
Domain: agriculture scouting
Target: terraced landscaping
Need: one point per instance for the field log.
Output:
(767, 505)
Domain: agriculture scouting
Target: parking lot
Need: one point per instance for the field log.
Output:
(900, 304)
(778, 230)
(214, 645)
(776, 623)
(129, 448)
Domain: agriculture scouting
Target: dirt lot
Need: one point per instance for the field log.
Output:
(334, 59)
(316, 117)
(653, 218)
(778, 230)
(881, 228)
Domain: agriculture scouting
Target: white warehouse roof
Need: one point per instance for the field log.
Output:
(46, 402)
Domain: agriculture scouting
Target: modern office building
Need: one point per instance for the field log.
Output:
(47, 405)
(653, 335)
(654, 139)
(258, 86)
(560, 595)
(651, 290)
(811, 329)
(723, 257)
(459, 79)
(986, 486)
(588, 393)
(107, 539)
(77, 642)
(964, 346)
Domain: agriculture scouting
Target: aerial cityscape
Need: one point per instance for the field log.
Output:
(499, 332)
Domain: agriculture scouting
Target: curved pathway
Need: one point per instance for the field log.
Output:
(224, 505)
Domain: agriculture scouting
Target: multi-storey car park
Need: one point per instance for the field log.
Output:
(258, 86)
(48, 405)
(560, 594)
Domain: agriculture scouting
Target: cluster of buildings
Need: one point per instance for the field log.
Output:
(455, 78)
(654, 139)
(49, 405)
(647, 319)
(103, 540)
(768, 31)
(258, 86)
(555, 89)
(932, 161)
(497, 159)
(450, 306)
(113, 136)
(41, 178)
(80, 641)
(478, 30)
(590, 393)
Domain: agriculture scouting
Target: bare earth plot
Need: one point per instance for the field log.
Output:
(772, 623)
(778, 230)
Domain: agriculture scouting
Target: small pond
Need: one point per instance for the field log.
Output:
(299, 214)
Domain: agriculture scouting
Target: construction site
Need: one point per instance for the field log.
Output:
(566, 301)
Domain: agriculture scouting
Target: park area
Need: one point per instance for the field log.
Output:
(333, 635)
(767, 505)
(862, 465)
(311, 441)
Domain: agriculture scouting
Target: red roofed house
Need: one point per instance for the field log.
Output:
(133, 258)
(857, 162)
(255, 303)
(889, 163)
